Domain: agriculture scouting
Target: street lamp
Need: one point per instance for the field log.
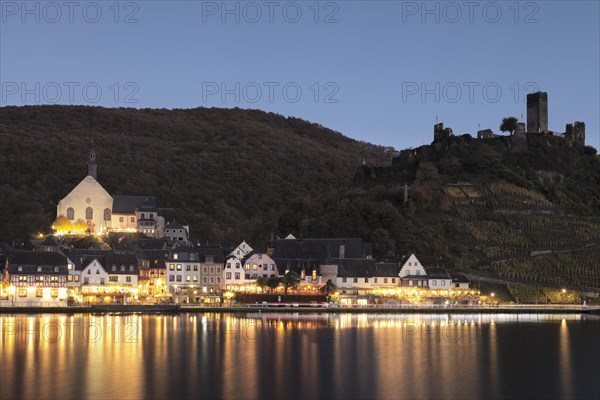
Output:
(564, 290)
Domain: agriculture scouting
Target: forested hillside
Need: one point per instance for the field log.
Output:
(228, 172)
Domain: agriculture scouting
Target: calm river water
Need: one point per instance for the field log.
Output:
(308, 356)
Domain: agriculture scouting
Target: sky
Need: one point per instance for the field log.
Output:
(378, 71)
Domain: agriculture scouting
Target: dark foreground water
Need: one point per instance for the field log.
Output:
(257, 356)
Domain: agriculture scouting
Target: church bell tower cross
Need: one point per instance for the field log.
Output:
(92, 165)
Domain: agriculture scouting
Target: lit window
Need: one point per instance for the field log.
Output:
(178, 267)
(175, 256)
(172, 267)
(22, 292)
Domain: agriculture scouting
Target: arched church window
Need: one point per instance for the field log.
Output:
(107, 214)
(89, 213)
(70, 213)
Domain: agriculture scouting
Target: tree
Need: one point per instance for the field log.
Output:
(509, 124)
(80, 226)
(261, 282)
(273, 283)
(290, 280)
(62, 224)
(329, 288)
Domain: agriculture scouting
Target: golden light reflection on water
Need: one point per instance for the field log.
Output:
(276, 355)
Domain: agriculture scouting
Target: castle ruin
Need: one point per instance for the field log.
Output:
(537, 123)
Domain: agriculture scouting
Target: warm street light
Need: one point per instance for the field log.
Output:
(564, 290)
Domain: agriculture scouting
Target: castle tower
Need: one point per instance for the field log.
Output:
(92, 165)
(537, 112)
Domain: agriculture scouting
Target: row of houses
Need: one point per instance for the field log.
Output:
(156, 268)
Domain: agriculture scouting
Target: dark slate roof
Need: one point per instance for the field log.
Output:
(109, 259)
(437, 273)
(320, 249)
(366, 268)
(174, 225)
(50, 241)
(296, 266)
(460, 278)
(183, 254)
(170, 215)
(30, 260)
(128, 204)
(82, 258)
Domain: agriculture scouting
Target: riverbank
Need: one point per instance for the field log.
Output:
(176, 308)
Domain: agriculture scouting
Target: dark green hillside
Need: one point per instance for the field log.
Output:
(520, 208)
(228, 172)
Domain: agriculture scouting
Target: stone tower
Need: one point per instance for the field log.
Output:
(537, 112)
(92, 165)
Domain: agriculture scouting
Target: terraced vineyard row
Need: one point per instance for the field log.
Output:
(511, 196)
(580, 268)
(533, 294)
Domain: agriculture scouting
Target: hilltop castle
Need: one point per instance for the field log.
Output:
(537, 122)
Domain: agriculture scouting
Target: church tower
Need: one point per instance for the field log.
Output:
(92, 165)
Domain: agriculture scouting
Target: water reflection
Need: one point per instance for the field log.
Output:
(274, 355)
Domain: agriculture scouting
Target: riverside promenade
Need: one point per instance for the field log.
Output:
(302, 308)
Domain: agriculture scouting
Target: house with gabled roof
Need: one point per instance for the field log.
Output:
(37, 277)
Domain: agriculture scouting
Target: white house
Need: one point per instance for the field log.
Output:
(439, 279)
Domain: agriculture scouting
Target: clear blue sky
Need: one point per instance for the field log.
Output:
(361, 67)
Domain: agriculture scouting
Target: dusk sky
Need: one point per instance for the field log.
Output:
(361, 66)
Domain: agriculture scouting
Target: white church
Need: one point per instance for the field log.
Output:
(102, 213)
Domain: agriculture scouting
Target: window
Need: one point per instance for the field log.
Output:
(102, 281)
(70, 213)
(113, 279)
(195, 278)
(237, 265)
(70, 266)
(178, 267)
(228, 265)
(54, 279)
(76, 278)
(178, 278)
(210, 280)
(39, 278)
(122, 268)
(86, 281)
(127, 279)
(355, 280)
(39, 269)
(237, 275)
(114, 267)
(97, 272)
(212, 270)
(254, 267)
(393, 280)
(195, 267)
(218, 270)
(366, 280)
(107, 214)
(188, 267)
(143, 216)
(89, 213)
(218, 280)
(132, 219)
(38, 293)
(384, 280)
(203, 279)
(191, 256)
(375, 280)
(265, 267)
(120, 219)
(408, 272)
(20, 268)
(22, 292)
(443, 283)
(247, 267)
(55, 269)
(54, 293)
(418, 272)
(171, 278)
(69, 278)
(272, 267)
(344, 280)
(204, 270)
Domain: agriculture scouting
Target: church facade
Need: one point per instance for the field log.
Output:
(90, 208)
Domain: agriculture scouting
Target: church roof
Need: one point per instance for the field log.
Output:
(128, 204)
